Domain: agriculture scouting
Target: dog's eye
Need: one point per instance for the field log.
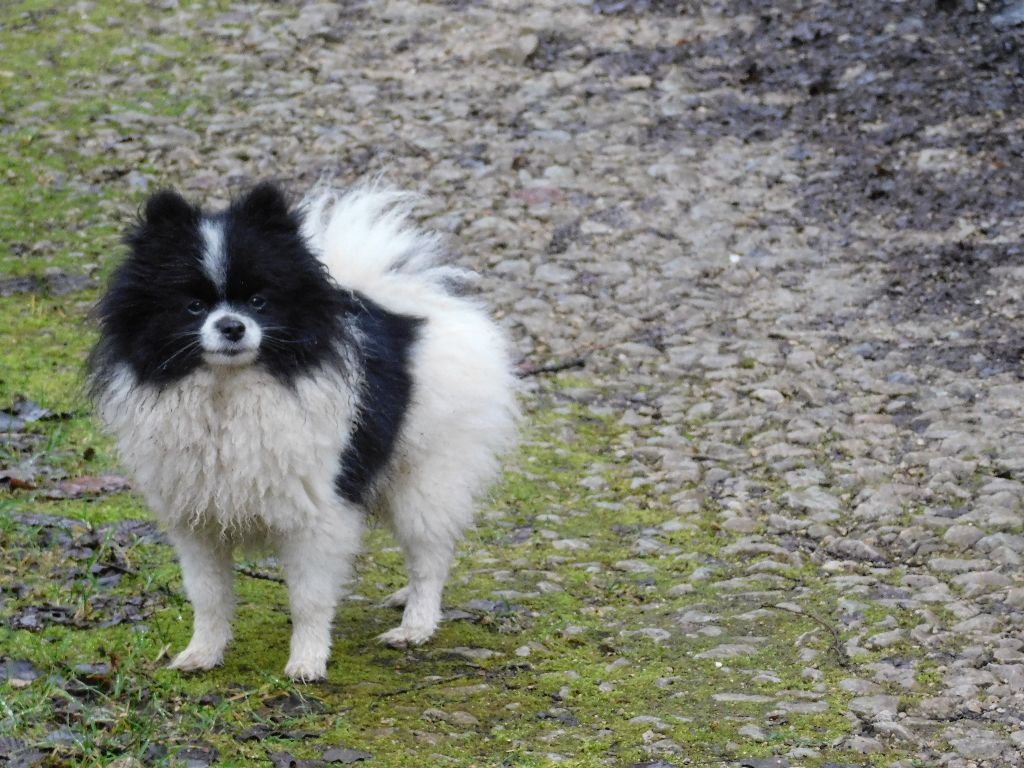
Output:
(196, 307)
(257, 302)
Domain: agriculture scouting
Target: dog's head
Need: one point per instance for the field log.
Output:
(224, 290)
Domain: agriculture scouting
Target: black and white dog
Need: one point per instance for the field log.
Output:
(272, 375)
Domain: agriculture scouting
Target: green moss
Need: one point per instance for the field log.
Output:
(42, 351)
(376, 697)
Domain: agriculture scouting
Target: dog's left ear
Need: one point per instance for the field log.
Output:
(265, 206)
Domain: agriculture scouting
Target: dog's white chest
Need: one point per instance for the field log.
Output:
(234, 449)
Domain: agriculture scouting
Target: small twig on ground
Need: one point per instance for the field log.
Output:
(526, 369)
(579, 359)
(421, 686)
(254, 574)
(265, 688)
(836, 643)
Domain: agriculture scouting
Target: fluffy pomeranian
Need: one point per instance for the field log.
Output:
(275, 375)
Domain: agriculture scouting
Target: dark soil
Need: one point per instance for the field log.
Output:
(873, 89)
(900, 119)
(907, 121)
(87, 563)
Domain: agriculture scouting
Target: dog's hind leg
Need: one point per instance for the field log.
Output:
(428, 518)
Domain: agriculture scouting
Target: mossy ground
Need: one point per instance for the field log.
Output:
(548, 702)
(585, 674)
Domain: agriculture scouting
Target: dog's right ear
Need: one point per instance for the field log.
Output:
(167, 207)
(166, 217)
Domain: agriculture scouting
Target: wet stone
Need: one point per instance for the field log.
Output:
(963, 536)
(977, 744)
(752, 732)
(752, 698)
(885, 639)
(727, 651)
(872, 706)
(17, 671)
(633, 566)
(862, 687)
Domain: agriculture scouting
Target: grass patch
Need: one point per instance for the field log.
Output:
(591, 684)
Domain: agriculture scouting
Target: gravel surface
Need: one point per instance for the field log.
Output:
(786, 240)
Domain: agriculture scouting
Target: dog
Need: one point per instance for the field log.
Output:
(274, 375)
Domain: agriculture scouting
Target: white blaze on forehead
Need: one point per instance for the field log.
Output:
(214, 256)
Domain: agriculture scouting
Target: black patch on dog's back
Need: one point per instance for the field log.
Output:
(385, 346)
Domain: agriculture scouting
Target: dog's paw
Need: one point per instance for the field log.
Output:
(403, 636)
(306, 670)
(197, 657)
(396, 599)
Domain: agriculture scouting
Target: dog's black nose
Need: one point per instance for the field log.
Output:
(230, 328)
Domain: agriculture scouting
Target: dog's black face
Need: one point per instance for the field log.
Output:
(234, 289)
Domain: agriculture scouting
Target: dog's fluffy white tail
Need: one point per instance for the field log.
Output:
(365, 233)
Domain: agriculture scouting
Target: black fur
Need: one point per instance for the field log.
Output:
(386, 343)
(144, 317)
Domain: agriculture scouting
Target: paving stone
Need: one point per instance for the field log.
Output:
(963, 536)
(727, 651)
(977, 744)
(871, 706)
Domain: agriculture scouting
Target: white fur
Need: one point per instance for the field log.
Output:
(229, 457)
(221, 351)
(214, 256)
(230, 450)
(365, 234)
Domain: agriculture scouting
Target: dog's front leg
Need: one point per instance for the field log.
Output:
(206, 568)
(318, 566)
